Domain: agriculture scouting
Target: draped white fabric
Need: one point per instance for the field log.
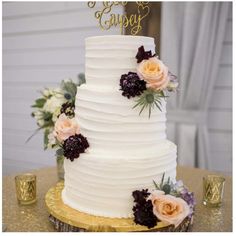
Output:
(192, 36)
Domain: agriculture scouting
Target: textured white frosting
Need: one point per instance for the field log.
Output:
(108, 57)
(127, 151)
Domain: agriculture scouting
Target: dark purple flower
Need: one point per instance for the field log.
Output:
(75, 145)
(68, 109)
(132, 85)
(143, 209)
(140, 196)
(143, 55)
(143, 215)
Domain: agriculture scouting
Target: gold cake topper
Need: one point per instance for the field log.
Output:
(106, 18)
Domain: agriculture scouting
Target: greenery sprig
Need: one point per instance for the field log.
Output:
(164, 185)
(150, 99)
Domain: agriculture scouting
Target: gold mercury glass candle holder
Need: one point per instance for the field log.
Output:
(26, 188)
(213, 189)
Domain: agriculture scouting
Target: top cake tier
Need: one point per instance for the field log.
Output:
(108, 57)
(104, 114)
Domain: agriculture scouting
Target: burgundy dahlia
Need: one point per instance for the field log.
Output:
(143, 55)
(68, 109)
(143, 209)
(75, 145)
(132, 85)
(140, 196)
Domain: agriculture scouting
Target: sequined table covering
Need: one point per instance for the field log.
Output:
(34, 218)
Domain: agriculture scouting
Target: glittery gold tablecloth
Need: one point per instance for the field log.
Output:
(34, 218)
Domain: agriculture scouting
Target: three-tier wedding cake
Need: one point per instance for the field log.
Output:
(127, 150)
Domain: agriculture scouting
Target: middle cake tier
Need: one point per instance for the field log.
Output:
(110, 124)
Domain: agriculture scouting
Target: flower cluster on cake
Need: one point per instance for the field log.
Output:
(150, 81)
(169, 202)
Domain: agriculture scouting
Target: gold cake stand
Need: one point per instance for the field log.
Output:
(67, 219)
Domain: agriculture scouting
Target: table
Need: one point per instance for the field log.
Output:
(34, 218)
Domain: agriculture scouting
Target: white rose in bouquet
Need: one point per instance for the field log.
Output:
(59, 93)
(53, 103)
(51, 140)
(47, 92)
(39, 117)
(56, 114)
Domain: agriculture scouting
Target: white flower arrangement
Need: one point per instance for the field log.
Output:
(51, 105)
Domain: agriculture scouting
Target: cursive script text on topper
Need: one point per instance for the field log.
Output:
(106, 18)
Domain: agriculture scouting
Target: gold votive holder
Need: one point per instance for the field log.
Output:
(213, 189)
(26, 188)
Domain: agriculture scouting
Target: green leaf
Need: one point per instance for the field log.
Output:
(142, 109)
(156, 185)
(162, 93)
(54, 145)
(60, 152)
(158, 101)
(47, 124)
(39, 103)
(140, 102)
(158, 106)
(69, 87)
(81, 79)
(162, 180)
(47, 116)
(137, 104)
(31, 136)
(46, 133)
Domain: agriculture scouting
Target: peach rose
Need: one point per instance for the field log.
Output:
(154, 72)
(168, 208)
(65, 127)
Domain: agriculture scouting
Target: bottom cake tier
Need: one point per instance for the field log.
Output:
(102, 184)
(67, 219)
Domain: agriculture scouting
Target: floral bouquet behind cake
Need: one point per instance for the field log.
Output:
(54, 113)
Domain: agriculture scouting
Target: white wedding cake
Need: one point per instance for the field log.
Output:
(127, 151)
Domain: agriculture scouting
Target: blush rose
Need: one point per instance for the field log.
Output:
(154, 72)
(168, 208)
(65, 127)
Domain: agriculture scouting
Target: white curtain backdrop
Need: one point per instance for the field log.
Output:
(192, 36)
